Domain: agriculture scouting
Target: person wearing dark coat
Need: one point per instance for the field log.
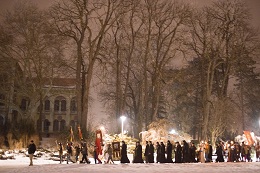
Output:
(193, 152)
(178, 153)
(146, 152)
(31, 151)
(124, 158)
(138, 154)
(97, 160)
(77, 148)
(151, 153)
(158, 152)
(84, 152)
(185, 152)
(219, 152)
(163, 159)
(69, 152)
(210, 153)
(169, 152)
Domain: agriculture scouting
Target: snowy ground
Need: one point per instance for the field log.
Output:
(43, 164)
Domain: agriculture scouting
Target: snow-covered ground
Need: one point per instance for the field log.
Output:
(44, 164)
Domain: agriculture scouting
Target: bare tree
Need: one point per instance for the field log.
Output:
(36, 54)
(86, 22)
(145, 45)
(216, 40)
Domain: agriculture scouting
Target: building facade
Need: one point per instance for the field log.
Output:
(59, 107)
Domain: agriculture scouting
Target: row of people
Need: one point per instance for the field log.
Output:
(78, 149)
(188, 152)
(183, 152)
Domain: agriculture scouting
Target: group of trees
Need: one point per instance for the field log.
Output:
(135, 51)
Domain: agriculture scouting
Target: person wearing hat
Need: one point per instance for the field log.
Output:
(31, 151)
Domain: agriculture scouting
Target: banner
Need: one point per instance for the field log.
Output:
(98, 142)
(249, 138)
(71, 134)
(80, 133)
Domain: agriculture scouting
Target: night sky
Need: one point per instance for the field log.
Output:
(254, 5)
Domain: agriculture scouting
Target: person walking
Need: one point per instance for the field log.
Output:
(77, 148)
(84, 152)
(146, 151)
(124, 158)
(31, 151)
(158, 152)
(109, 151)
(151, 152)
(60, 149)
(97, 160)
(69, 152)
(201, 153)
(219, 152)
(193, 152)
(178, 153)
(162, 159)
(185, 152)
(257, 151)
(169, 152)
(138, 153)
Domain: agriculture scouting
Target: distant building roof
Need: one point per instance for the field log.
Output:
(61, 82)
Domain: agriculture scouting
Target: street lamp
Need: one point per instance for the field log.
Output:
(122, 119)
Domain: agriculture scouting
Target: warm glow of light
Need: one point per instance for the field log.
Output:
(173, 132)
(102, 128)
(123, 118)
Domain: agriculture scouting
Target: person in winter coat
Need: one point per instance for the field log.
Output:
(219, 152)
(60, 149)
(69, 152)
(146, 151)
(163, 159)
(193, 153)
(97, 160)
(124, 158)
(77, 148)
(84, 152)
(185, 152)
(109, 151)
(158, 152)
(169, 152)
(201, 152)
(151, 152)
(138, 153)
(31, 151)
(178, 153)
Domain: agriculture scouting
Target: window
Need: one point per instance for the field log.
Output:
(60, 104)
(47, 105)
(62, 125)
(46, 125)
(56, 105)
(55, 125)
(63, 105)
(73, 106)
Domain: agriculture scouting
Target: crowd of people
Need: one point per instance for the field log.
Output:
(184, 152)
